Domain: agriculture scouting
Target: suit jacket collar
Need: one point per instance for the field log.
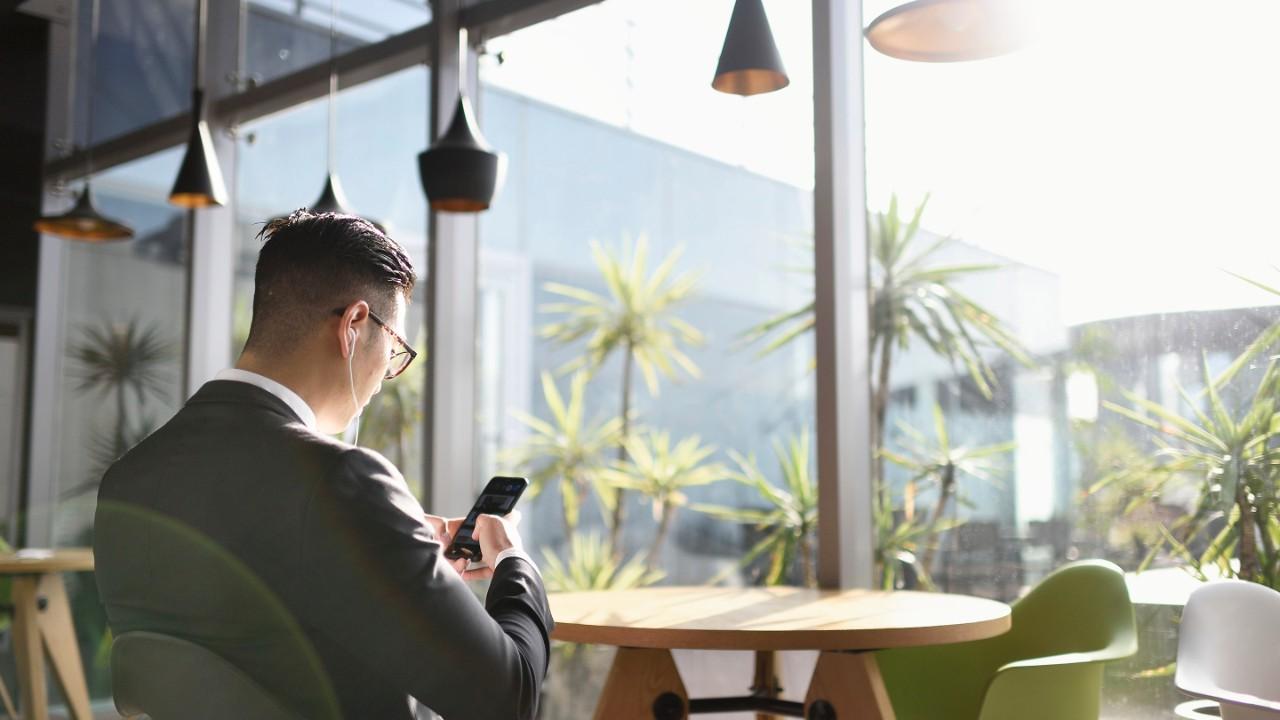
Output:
(232, 391)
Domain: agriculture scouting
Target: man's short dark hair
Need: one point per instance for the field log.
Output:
(312, 263)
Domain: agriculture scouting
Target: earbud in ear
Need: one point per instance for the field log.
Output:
(351, 340)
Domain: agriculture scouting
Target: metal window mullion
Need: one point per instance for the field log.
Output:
(43, 451)
(846, 530)
(360, 65)
(449, 426)
(212, 242)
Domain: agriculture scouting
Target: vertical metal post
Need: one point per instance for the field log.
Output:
(42, 481)
(846, 535)
(449, 416)
(212, 243)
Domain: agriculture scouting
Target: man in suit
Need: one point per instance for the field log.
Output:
(242, 526)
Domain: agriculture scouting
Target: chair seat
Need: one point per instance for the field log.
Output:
(171, 679)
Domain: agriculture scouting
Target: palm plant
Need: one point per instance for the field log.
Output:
(912, 299)
(566, 449)
(636, 319)
(662, 473)
(120, 359)
(937, 465)
(790, 518)
(591, 566)
(1233, 457)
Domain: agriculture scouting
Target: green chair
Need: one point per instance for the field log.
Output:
(167, 678)
(1048, 666)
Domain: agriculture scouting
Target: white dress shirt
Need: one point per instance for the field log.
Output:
(308, 418)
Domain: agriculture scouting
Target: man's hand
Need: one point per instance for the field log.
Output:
(495, 534)
(445, 530)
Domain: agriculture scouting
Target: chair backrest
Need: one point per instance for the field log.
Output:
(1081, 607)
(166, 677)
(1230, 640)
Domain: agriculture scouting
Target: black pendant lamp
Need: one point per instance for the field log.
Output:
(460, 172)
(199, 183)
(83, 221)
(749, 61)
(332, 198)
(947, 30)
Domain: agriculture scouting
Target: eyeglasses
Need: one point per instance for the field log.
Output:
(401, 357)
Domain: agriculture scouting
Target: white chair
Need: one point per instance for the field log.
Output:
(1229, 649)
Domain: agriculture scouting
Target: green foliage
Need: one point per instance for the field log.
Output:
(662, 472)
(393, 416)
(119, 360)
(936, 466)
(123, 357)
(638, 320)
(914, 299)
(566, 450)
(790, 516)
(1229, 453)
(591, 566)
(637, 317)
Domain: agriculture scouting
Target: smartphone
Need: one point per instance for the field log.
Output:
(499, 498)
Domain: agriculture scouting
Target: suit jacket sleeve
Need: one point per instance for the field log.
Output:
(379, 586)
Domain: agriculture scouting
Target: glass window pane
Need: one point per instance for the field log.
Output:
(381, 128)
(283, 36)
(1108, 188)
(119, 361)
(142, 67)
(647, 226)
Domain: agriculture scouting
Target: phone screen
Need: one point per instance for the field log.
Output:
(499, 498)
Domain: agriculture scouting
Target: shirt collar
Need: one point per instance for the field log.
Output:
(289, 397)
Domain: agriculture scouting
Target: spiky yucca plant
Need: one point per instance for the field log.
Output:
(789, 519)
(636, 319)
(662, 472)
(566, 450)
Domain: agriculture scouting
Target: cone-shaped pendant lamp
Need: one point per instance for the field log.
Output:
(84, 222)
(749, 61)
(460, 172)
(332, 199)
(947, 30)
(199, 182)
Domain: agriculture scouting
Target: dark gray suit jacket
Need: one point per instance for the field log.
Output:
(307, 563)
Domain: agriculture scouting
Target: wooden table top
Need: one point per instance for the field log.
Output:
(39, 561)
(779, 618)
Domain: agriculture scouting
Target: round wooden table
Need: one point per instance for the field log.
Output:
(846, 626)
(42, 627)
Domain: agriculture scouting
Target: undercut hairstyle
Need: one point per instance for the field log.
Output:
(312, 263)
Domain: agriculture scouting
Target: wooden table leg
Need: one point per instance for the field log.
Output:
(638, 678)
(59, 632)
(32, 698)
(37, 632)
(765, 682)
(850, 684)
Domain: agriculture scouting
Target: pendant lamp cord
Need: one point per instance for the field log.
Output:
(197, 83)
(94, 20)
(332, 130)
